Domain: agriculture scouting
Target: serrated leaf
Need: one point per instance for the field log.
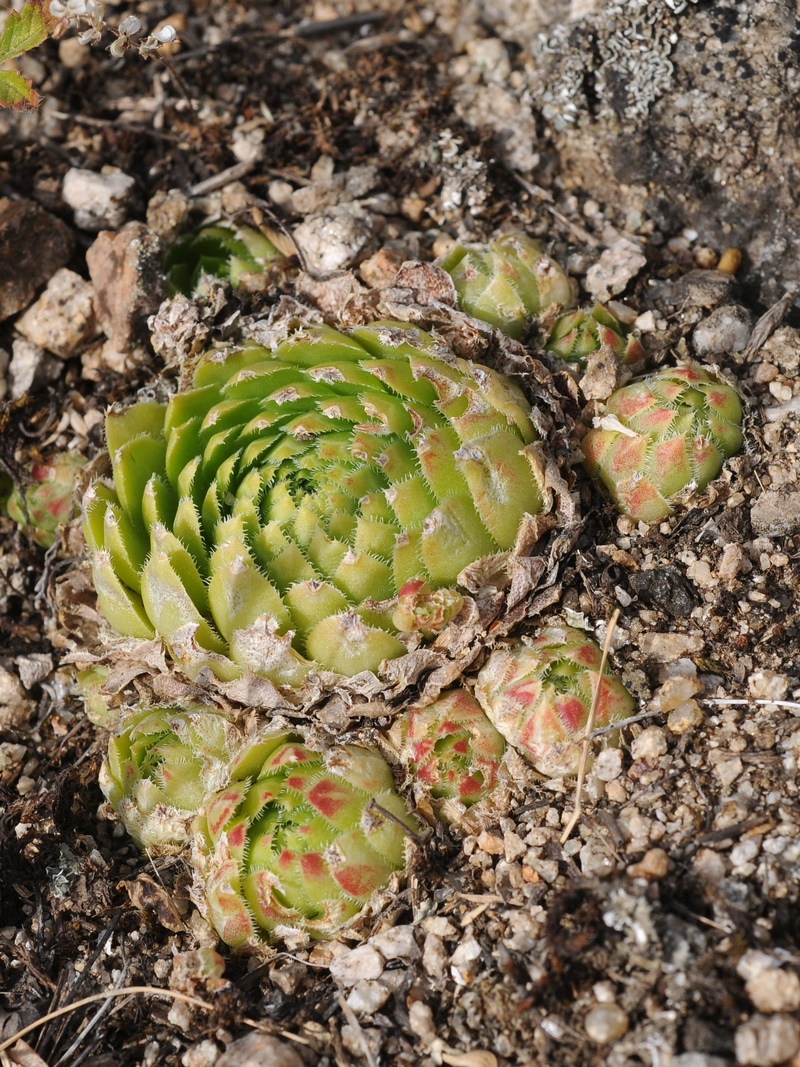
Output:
(16, 91)
(23, 31)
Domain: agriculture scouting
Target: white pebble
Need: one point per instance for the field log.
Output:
(360, 964)
(605, 1022)
(766, 1041)
(650, 744)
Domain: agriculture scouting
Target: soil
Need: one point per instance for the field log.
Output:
(664, 931)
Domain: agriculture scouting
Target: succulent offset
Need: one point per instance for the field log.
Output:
(663, 438)
(216, 253)
(299, 840)
(450, 748)
(160, 767)
(508, 283)
(48, 499)
(539, 694)
(575, 335)
(267, 518)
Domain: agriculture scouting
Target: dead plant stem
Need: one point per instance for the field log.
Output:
(587, 735)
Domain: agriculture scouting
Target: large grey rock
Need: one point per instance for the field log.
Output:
(686, 111)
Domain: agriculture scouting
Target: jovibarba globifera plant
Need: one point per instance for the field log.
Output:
(217, 254)
(162, 763)
(664, 438)
(266, 518)
(539, 694)
(575, 335)
(450, 749)
(508, 283)
(46, 502)
(298, 841)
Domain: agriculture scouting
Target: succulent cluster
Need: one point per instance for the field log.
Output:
(216, 253)
(539, 696)
(662, 438)
(312, 508)
(450, 748)
(283, 836)
(267, 518)
(508, 283)
(299, 840)
(575, 335)
(47, 501)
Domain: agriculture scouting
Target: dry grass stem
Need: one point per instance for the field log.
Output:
(587, 739)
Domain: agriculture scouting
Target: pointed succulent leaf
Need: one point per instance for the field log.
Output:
(284, 500)
(538, 694)
(299, 844)
(450, 748)
(508, 283)
(664, 438)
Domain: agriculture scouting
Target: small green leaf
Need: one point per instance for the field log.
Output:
(16, 91)
(23, 31)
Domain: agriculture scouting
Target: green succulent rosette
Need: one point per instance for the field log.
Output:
(266, 518)
(539, 694)
(47, 501)
(161, 765)
(450, 749)
(664, 438)
(577, 334)
(508, 283)
(298, 841)
(216, 253)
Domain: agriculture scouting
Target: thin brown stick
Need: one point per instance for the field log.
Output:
(587, 734)
(124, 992)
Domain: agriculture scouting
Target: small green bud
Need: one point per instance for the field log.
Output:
(662, 438)
(577, 334)
(216, 253)
(48, 499)
(298, 840)
(450, 748)
(510, 282)
(538, 694)
(161, 765)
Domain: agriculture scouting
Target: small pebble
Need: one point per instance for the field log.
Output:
(615, 268)
(726, 330)
(729, 261)
(650, 744)
(465, 961)
(255, 1049)
(608, 765)
(396, 943)
(766, 1041)
(100, 201)
(420, 1021)
(364, 963)
(605, 1022)
(768, 685)
(705, 258)
(368, 997)
(653, 865)
(685, 717)
(280, 192)
(774, 990)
